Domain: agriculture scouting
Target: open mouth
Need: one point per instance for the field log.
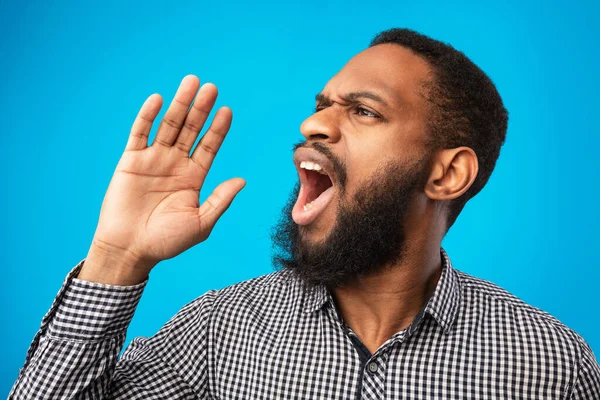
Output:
(317, 186)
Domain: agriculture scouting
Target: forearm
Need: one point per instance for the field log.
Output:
(68, 370)
(74, 353)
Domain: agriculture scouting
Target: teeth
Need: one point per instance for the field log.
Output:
(311, 166)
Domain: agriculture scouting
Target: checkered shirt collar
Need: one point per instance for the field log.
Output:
(442, 305)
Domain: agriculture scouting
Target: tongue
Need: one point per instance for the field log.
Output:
(304, 216)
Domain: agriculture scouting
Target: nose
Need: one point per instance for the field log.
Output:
(322, 125)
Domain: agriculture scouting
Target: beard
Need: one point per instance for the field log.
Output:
(368, 233)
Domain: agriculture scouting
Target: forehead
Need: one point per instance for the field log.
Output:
(388, 70)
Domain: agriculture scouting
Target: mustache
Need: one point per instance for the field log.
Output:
(339, 166)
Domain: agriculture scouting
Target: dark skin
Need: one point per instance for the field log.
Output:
(372, 112)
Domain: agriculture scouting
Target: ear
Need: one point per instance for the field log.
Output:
(453, 171)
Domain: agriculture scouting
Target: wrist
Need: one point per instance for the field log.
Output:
(114, 266)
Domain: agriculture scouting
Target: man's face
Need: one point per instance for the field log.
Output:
(370, 114)
(368, 141)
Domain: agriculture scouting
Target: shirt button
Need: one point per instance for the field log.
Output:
(372, 367)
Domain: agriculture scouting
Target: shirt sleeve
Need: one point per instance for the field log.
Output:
(174, 363)
(587, 384)
(74, 353)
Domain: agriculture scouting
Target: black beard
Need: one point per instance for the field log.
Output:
(368, 234)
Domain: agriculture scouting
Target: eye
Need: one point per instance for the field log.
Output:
(365, 113)
(319, 107)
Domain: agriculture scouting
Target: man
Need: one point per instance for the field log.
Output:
(365, 303)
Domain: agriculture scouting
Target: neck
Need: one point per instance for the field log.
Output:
(378, 306)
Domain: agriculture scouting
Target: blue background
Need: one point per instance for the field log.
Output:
(74, 75)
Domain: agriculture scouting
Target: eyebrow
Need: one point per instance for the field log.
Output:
(351, 98)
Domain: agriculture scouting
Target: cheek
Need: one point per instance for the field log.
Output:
(399, 139)
(370, 146)
(358, 175)
(365, 157)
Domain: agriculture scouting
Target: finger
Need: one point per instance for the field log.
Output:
(173, 120)
(204, 102)
(138, 137)
(209, 145)
(218, 202)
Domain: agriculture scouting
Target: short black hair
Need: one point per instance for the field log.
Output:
(467, 109)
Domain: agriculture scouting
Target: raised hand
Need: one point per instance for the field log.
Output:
(151, 210)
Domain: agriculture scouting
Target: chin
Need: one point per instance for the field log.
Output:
(320, 229)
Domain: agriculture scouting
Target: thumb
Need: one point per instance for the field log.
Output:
(218, 202)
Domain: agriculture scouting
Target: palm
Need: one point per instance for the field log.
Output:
(151, 208)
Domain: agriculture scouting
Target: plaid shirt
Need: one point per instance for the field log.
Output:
(272, 338)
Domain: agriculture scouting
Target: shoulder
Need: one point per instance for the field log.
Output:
(515, 322)
(477, 292)
(261, 297)
(273, 283)
(259, 300)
